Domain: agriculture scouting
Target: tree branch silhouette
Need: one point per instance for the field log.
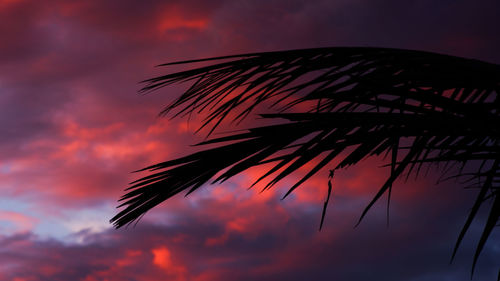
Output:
(423, 108)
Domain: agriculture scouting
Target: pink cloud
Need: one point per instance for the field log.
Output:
(73, 128)
(254, 246)
(21, 222)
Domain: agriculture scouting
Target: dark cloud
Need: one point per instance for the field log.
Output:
(464, 28)
(73, 128)
(416, 247)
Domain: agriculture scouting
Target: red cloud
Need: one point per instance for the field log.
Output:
(258, 242)
(163, 259)
(73, 128)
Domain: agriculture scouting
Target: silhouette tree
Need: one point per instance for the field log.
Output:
(342, 105)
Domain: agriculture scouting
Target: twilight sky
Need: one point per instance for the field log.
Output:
(72, 128)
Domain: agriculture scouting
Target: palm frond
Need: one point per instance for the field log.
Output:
(423, 108)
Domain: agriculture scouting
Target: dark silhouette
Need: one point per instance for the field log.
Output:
(422, 108)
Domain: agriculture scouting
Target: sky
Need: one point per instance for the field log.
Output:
(73, 126)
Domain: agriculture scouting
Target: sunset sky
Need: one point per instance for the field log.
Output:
(73, 127)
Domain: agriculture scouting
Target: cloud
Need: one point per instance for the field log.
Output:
(73, 128)
(260, 243)
(162, 258)
(13, 222)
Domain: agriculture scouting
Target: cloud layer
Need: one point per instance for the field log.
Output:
(73, 127)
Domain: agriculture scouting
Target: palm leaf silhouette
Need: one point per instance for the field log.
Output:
(422, 108)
